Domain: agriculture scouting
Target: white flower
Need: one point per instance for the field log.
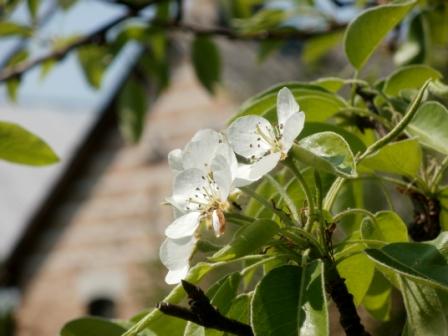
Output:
(201, 195)
(255, 139)
(200, 151)
(175, 255)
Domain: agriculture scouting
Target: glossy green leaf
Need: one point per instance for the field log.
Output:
(409, 77)
(367, 31)
(94, 61)
(18, 145)
(248, 239)
(423, 307)
(420, 262)
(402, 158)
(8, 28)
(291, 300)
(441, 243)
(388, 227)
(221, 295)
(355, 143)
(378, 301)
(240, 308)
(317, 103)
(132, 107)
(206, 62)
(430, 126)
(332, 84)
(91, 326)
(326, 151)
(358, 271)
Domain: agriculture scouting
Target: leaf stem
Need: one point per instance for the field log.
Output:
(355, 211)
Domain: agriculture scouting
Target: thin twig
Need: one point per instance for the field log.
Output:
(203, 313)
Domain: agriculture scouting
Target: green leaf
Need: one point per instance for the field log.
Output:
(366, 32)
(430, 126)
(402, 158)
(8, 28)
(94, 61)
(332, 84)
(425, 313)
(247, 240)
(221, 295)
(326, 151)
(355, 143)
(388, 227)
(132, 107)
(290, 300)
(420, 262)
(18, 145)
(409, 77)
(91, 326)
(319, 46)
(358, 271)
(441, 243)
(33, 7)
(206, 62)
(240, 308)
(416, 47)
(12, 88)
(378, 301)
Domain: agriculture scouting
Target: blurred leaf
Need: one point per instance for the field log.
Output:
(206, 62)
(332, 84)
(430, 126)
(94, 61)
(265, 19)
(409, 77)
(366, 32)
(91, 326)
(66, 4)
(402, 158)
(46, 67)
(326, 151)
(248, 239)
(21, 146)
(357, 270)
(8, 28)
(420, 262)
(33, 8)
(350, 196)
(319, 46)
(291, 300)
(12, 88)
(240, 308)
(267, 47)
(425, 313)
(378, 301)
(388, 227)
(132, 107)
(415, 49)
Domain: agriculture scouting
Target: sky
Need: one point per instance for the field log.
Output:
(60, 109)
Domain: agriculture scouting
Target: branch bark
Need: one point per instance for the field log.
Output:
(203, 313)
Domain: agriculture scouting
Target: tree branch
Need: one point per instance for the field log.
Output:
(98, 35)
(203, 313)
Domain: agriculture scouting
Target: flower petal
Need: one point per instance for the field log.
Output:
(186, 185)
(245, 139)
(218, 222)
(292, 128)
(253, 172)
(183, 226)
(222, 176)
(174, 277)
(286, 106)
(175, 253)
(175, 160)
(199, 152)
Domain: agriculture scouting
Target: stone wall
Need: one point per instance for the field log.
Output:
(103, 241)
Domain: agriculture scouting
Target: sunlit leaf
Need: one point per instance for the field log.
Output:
(409, 77)
(18, 145)
(291, 300)
(367, 31)
(8, 28)
(91, 326)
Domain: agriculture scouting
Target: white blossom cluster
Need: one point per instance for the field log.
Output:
(207, 172)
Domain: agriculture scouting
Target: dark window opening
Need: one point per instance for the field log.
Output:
(102, 307)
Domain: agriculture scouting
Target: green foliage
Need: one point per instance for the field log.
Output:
(94, 61)
(290, 300)
(206, 62)
(367, 31)
(18, 145)
(91, 326)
